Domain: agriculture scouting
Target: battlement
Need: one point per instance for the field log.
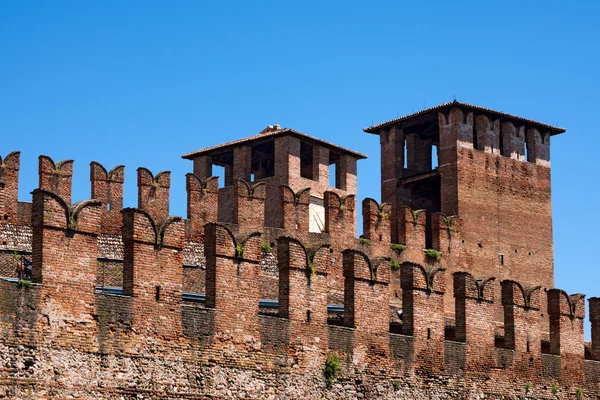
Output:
(66, 248)
(232, 287)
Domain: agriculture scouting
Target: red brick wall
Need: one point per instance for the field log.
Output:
(475, 321)
(56, 177)
(9, 188)
(232, 282)
(153, 193)
(202, 203)
(249, 205)
(566, 332)
(295, 216)
(108, 188)
(522, 327)
(366, 300)
(595, 320)
(153, 271)
(423, 314)
(65, 250)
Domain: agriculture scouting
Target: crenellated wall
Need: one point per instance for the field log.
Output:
(202, 307)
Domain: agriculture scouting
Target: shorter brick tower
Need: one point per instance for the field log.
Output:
(280, 156)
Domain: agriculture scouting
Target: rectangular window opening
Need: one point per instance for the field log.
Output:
(219, 170)
(434, 156)
(263, 160)
(306, 160)
(405, 154)
(332, 175)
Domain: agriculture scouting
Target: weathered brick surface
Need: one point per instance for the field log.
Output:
(295, 217)
(65, 250)
(56, 177)
(108, 188)
(475, 321)
(366, 297)
(522, 327)
(153, 193)
(430, 329)
(202, 204)
(9, 187)
(423, 314)
(595, 320)
(566, 332)
(153, 271)
(249, 205)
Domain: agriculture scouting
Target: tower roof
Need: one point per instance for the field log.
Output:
(269, 133)
(431, 113)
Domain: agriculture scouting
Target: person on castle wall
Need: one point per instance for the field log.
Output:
(24, 269)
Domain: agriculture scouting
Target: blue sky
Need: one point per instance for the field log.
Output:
(142, 82)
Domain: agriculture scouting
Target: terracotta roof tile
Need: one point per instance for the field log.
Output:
(273, 133)
(375, 128)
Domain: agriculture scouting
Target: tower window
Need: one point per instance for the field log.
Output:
(306, 160)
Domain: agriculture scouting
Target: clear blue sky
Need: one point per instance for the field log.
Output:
(142, 82)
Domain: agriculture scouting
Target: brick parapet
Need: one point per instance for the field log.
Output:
(423, 314)
(153, 193)
(295, 211)
(411, 232)
(152, 271)
(475, 323)
(9, 188)
(339, 217)
(232, 317)
(303, 293)
(232, 274)
(566, 314)
(595, 320)
(65, 250)
(249, 205)
(108, 188)
(202, 204)
(376, 221)
(56, 177)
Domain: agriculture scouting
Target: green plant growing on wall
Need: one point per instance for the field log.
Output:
(396, 386)
(365, 241)
(398, 247)
(311, 268)
(527, 388)
(395, 265)
(579, 393)
(333, 365)
(239, 251)
(433, 254)
(381, 214)
(266, 247)
(554, 388)
(23, 284)
(72, 223)
(155, 184)
(58, 167)
(16, 256)
(415, 214)
(449, 222)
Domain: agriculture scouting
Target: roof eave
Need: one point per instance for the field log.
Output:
(554, 130)
(198, 153)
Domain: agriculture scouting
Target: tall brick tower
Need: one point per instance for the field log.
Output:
(489, 168)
